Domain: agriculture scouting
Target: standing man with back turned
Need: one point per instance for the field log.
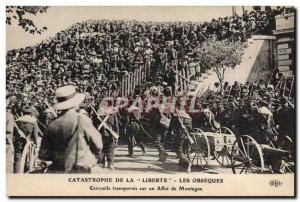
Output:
(71, 141)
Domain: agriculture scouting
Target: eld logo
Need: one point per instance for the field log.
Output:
(275, 183)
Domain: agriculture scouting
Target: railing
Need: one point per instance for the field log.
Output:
(183, 83)
(183, 79)
(143, 72)
(131, 80)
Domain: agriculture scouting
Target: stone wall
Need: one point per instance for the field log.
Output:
(264, 64)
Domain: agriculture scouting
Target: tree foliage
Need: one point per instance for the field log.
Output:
(21, 15)
(220, 55)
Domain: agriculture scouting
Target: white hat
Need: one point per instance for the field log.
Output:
(67, 97)
(270, 87)
(133, 108)
(183, 114)
(154, 91)
(265, 110)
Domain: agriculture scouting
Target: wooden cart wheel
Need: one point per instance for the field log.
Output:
(287, 167)
(223, 157)
(199, 154)
(28, 159)
(246, 156)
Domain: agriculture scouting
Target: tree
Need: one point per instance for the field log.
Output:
(21, 16)
(220, 55)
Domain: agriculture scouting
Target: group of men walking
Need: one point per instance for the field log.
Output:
(82, 137)
(74, 142)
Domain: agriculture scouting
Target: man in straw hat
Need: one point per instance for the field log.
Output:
(71, 141)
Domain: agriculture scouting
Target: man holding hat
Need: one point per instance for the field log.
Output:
(71, 141)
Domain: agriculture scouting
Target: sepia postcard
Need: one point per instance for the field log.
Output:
(157, 101)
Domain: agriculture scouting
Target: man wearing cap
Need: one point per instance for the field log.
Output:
(179, 124)
(133, 129)
(270, 90)
(148, 58)
(109, 140)
(153, 115)
(245, 92)
(71, 141)
(27, 125)
(170, 78)
(171, 55)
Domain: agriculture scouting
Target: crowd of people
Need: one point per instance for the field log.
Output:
(81, 65)
(234, 108)
(94, 55)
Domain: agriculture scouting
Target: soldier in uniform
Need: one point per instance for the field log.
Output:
(148, 59)
(180, 122)
(248, 121)
(266, 123)
(108, 137)
(28, 126)
(154, 115)
(10, 125)
(285, 118)
(206, 119)
(245, 92)
(133, 130)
